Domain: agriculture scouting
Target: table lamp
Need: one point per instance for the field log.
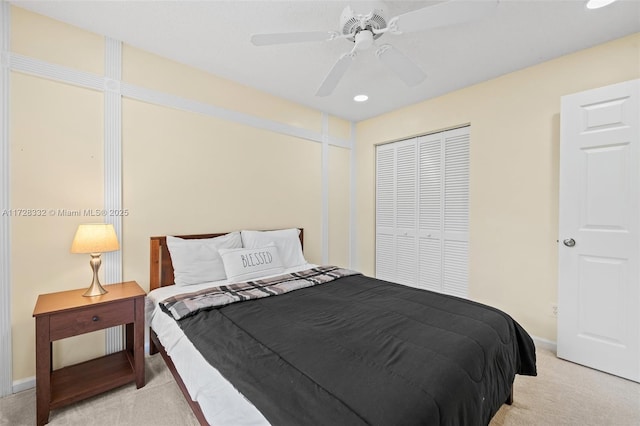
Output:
(95, 239)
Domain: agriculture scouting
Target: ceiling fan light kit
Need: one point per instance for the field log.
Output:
(365, 29)
(364, 40)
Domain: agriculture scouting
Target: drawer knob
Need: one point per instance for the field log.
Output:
(95, 318)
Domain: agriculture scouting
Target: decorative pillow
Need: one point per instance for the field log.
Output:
(286, 240)
(197, 261)
(248, 263)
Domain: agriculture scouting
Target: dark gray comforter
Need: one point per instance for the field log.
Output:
(363, 351)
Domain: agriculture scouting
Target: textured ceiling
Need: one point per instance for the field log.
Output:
(215, 36)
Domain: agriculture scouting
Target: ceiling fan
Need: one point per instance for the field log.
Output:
(365, 29)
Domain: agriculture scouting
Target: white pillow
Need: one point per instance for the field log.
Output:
(197, 261)
(246, 263)
(286, 240)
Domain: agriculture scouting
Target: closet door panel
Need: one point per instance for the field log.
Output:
(456, 183)
(406, 212)
(406, 268)
(385, 212)
(430, 185)
(455, 249)
(455, 268)
(405, 186)
(385, 257)
(385, 187)
(430, 212)
(429, 264)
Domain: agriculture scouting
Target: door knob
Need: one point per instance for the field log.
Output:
(569, 242)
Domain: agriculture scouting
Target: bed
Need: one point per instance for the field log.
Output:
(347, 349)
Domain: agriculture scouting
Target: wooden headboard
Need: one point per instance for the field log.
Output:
(161, 268)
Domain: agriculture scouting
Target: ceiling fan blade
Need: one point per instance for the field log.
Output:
(284, 38)
(443, 14)
(335, 75)
(408, 72)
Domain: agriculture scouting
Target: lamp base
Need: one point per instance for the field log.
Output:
(95, 289)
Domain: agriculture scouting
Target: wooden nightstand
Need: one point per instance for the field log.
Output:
(68, 313)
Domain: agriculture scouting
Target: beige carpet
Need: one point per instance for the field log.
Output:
(159, 402)
(562, 394)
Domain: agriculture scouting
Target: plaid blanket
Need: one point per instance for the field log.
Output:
(187, 304)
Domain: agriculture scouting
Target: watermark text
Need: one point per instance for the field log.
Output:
(35, 212)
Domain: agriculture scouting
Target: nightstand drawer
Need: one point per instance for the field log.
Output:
(93, 318)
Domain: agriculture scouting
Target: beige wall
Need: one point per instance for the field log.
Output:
(514, 173)
(339, 213)
(52, 41)
(187, 173)
(56, 163)
(182, 172)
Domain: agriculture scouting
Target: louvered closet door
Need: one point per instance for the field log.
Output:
(430, 212)
(396, 212)
(443, 206)
(406, 183)
(385, 212)
(456, 212)
(422, 212)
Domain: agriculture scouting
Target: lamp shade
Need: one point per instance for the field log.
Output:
(95, 238)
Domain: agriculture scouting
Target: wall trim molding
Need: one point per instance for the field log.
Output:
(324, 159)
(6, 362)
(176, 102)
(24, 384)
(114, 336)
(62, 74)
(353, 240)
(545, 344)
(38, 68)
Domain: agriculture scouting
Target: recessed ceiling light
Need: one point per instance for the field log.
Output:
(360, 98)
(597, 4)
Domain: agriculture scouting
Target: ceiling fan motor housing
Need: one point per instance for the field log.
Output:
(351, 21)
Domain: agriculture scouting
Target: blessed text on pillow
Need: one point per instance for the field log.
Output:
(251, 263)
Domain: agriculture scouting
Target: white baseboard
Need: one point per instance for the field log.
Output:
(544, 343)
(24, 384)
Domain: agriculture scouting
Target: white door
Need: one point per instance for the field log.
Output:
(599, 235)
